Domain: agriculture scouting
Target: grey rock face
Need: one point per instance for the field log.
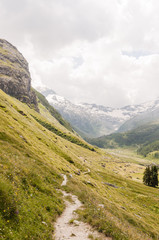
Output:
(15, 78)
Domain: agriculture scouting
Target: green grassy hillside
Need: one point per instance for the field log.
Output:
(145, 138)
(32, 158)
(52, 110)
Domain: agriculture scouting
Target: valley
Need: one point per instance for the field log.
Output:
(45, 165)
(32, 161)
(93, 121)
(130, 164)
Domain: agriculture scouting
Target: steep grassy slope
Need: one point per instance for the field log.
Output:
(32, 159)
(52, 110)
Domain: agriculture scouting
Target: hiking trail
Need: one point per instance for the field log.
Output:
(68, 227)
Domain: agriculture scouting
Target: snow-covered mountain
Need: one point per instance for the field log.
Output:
(91, 120)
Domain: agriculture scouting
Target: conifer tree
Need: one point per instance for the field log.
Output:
(147, 176)
(154, 176)
(150, 177)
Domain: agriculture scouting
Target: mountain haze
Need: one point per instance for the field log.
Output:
(141, 132)
(91, 120)
(151, 114)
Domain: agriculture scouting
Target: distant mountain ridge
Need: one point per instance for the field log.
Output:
(150, 115)
(145, 139)
(91, 120)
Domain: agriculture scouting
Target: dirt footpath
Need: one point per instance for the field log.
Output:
(67, 227)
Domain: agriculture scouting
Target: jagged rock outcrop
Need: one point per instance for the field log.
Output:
(15, 78)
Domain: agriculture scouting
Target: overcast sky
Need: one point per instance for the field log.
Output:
(96, 51)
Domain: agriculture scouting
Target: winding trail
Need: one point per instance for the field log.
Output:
(64, 230)
(64, 181)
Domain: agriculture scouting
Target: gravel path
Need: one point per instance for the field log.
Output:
(64, 230)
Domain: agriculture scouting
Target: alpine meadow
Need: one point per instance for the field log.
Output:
(45, 166)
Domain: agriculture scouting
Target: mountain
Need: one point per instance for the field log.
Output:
(140, 131)
(36, 150)
(15, 78)
(145, 138)
(150, 114)
(42, 100)
(91, 120)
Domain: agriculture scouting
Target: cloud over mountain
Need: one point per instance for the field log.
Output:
(105, 52)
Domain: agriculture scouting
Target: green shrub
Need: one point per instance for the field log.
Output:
(70, 138)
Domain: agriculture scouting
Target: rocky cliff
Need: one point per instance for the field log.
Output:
(15, 78)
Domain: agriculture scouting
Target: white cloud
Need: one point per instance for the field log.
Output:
(106, 52)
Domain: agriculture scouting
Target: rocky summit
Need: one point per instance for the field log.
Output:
(15, 78)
